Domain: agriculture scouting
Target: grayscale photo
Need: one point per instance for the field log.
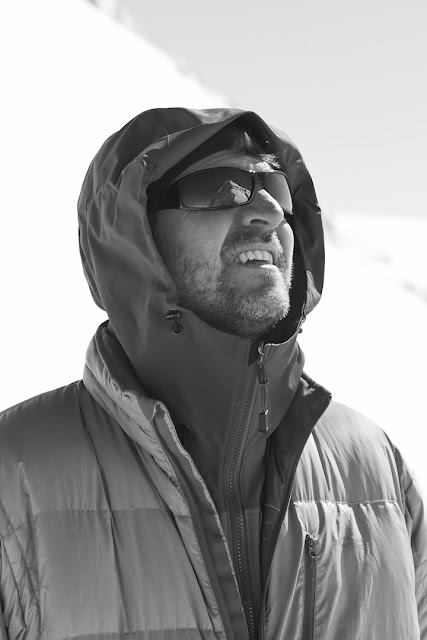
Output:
(212, 414)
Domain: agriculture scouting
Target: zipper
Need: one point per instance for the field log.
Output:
(201, 537)
(239, 533)
(246, 588)
(286, 498)
(263, 382)
(310, 589)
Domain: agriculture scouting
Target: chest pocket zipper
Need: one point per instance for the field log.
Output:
(310, 588)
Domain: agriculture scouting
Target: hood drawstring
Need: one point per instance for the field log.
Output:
(263, 381)
(175, 315)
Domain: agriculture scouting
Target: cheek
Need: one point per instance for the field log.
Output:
(203, 236)
(197, 236)
(169, 234)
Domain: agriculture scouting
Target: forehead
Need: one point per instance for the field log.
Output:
(227, 158)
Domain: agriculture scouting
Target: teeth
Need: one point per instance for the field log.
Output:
(256, 255)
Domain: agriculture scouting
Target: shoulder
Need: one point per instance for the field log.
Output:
(40, 421)
(43, 446)
(39, 406)
(349, 425)
(358, 462)
(344, 430)
(338, 427)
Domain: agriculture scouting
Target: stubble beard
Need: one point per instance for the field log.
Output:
(222, 302)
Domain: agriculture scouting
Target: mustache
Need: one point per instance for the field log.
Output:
(244, 237)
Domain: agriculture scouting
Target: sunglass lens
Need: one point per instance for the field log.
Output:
(278, 187)
(222, 187)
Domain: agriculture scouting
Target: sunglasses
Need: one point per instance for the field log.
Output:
(222, 188)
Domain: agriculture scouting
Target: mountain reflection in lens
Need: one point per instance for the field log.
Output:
(230, 193)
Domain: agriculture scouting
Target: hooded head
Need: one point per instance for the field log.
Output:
(120, 259)
(168, 343)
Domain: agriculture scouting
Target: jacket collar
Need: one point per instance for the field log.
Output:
(207, 384)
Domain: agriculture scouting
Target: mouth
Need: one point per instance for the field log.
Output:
(256, 257)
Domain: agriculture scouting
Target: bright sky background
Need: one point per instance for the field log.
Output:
(346, 80)
(71, 76)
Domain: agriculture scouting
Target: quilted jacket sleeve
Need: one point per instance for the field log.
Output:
(12, 624)
(3, 632)
(417, 528)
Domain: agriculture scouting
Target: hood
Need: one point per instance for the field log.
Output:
(120, 260)
(199, 373)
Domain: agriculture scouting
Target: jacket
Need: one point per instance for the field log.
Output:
(145, 502)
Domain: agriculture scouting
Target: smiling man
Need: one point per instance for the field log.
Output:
(197, 483)
(232, 259)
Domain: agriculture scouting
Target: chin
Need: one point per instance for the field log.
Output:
(262, 312)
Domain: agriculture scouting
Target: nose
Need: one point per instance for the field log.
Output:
(262, 211)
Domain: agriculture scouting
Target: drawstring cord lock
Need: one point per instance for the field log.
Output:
(175, 315)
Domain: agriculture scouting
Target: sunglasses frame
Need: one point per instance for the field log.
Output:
(170, 198)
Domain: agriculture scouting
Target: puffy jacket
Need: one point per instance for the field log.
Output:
(144, 501)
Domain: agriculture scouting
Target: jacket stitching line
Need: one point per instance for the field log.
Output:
(133, 631)
(356, 502)
(12, 528)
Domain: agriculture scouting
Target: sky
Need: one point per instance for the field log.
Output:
(346, 80)
(73, 76)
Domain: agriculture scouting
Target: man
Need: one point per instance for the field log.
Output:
(197, 483)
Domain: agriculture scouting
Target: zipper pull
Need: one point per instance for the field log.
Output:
(309, 543)
(263, 381)
(175, 315)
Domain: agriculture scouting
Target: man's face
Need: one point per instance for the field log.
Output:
(208, 254)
